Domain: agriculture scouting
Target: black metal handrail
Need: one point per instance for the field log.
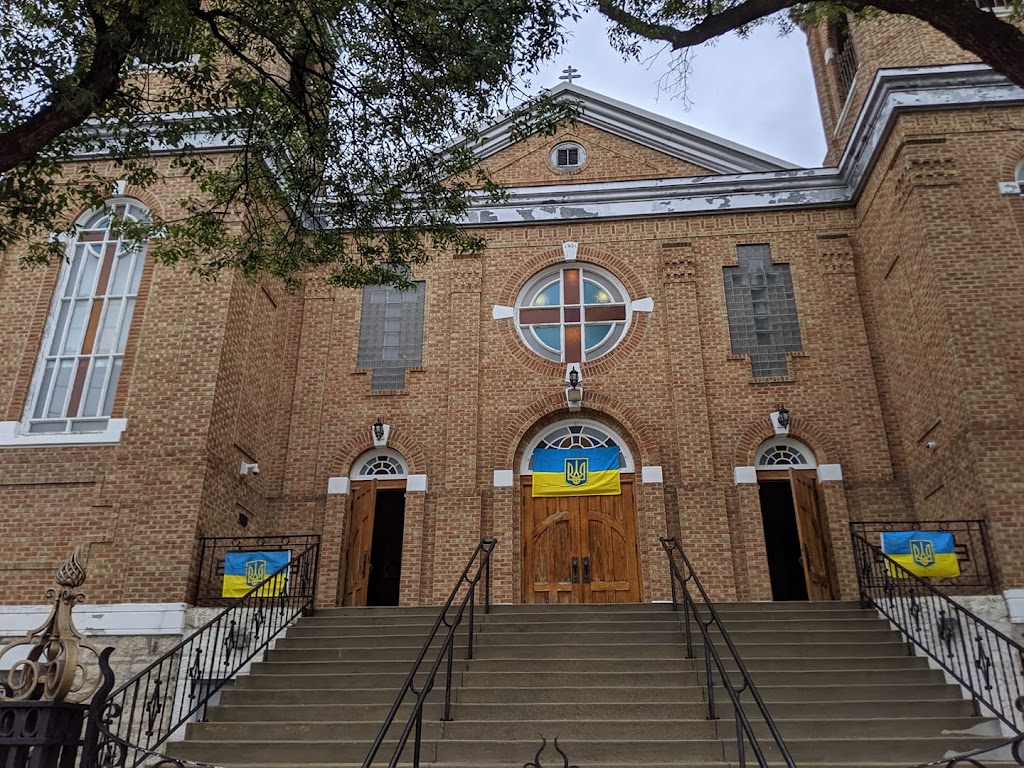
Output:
(973, 553)
(466, 585)
(744, 728)
(134, 719)
(212, 550)
(986, 662)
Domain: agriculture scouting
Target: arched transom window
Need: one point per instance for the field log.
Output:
(380, 463)
(83, 347)
(782, 452)
(572, 313)
(577, 433)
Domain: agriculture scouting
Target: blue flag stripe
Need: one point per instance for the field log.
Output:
(553, 459)
(898, 542)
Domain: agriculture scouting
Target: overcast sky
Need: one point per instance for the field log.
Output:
(756, 91)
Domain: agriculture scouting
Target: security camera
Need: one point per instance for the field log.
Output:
(249, 468)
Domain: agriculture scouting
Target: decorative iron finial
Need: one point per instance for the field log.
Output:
(54, 667)
(569, 74)
(536, 758)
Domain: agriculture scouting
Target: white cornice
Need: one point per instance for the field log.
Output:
(894, 92)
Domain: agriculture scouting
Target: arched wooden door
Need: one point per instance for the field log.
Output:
(580, 549)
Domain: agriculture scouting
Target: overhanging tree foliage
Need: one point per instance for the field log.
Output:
(994, 39)
(352, 122)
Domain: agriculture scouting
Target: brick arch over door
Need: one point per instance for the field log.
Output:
(550, 409)
(354, 447)
(800, 428)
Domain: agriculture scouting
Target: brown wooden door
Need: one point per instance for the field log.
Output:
(357, 564)
(580, 549)
(813, 549)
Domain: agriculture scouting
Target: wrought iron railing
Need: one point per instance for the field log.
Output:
(460, 602)
(136, 718)
(970, 544)
(986, 662)
(211, 559)
(706, 618)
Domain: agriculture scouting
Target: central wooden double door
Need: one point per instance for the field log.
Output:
(580, 549)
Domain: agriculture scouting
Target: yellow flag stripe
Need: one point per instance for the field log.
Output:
(604, 483)
(236, 586)
(945, 566)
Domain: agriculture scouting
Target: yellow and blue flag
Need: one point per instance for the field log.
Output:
(576, 472)
(245, 570)
(923, 553)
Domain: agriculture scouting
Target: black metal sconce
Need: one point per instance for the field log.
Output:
(783, 416)
(378, 429)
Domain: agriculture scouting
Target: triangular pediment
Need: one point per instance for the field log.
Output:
(633, 143)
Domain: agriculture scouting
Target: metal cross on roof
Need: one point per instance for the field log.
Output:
(570, 73)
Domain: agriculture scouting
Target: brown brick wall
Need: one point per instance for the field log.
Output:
(909, 309)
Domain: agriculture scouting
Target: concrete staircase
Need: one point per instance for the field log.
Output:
(612, 682)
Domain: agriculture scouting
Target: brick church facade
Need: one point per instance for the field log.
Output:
(694, 290)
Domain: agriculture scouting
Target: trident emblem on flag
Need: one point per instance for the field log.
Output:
(576, 471)
(923, 552)
(255, 572)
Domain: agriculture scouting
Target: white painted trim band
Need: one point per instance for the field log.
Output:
(111, 619)
(12, 436)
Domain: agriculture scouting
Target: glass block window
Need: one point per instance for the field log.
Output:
(784, 452)
(762, 311)
(391, 333)
(571, 314)
(83, 347)
(578, 433)
(379, 463)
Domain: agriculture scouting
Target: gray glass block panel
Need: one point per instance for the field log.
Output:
(761, 306)
(391, 333)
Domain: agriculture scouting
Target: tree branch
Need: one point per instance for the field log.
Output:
(710, 27)
(69, 108)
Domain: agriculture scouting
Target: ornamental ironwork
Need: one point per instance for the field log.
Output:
(60, 663)
(543, 744)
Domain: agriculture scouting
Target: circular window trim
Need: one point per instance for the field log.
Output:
(379, 453)
(553, 157)
(546, 276)
(784, 442)
(627, 456)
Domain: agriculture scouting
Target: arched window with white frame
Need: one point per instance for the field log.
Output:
(784, 453)
(84, 342)
(380, 464)
(577, 433)
(1018, 174)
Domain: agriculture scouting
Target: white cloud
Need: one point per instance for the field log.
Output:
(756, 91)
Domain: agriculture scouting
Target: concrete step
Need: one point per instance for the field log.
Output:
(585, 751)
(593, 633)
(276, 679)
(290, 752)
(406, 655)
(313, 712)
(414, 640)
(904, 723)
(318, 696)
(339, 667)
(868, 750)
(608, 730)
(303, 731)
(594, 694)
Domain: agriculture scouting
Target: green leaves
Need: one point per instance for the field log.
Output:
(342, 126)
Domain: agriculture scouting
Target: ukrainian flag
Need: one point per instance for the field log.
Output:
(923, 553)
(245, 570)
(576, 472)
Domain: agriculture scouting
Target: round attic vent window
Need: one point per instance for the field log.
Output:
(568, 156)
